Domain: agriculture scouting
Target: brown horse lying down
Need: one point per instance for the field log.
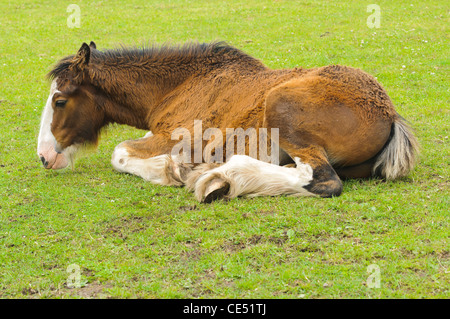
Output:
(330, 122)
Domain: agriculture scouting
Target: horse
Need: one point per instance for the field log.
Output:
(332, 122)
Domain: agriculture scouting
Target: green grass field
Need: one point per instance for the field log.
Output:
(132, 239)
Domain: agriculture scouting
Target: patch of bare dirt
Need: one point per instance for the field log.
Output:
(91, 291)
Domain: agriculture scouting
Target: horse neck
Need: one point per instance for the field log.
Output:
(132, 95)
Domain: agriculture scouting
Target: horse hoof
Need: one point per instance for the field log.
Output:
(217, 189)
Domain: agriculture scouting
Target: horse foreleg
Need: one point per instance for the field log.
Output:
(149, 157)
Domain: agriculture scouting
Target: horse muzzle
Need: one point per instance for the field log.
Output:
(51, 158)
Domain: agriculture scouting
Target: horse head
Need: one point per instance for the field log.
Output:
(73, 116)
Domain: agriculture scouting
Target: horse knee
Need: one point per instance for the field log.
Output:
(120, 157)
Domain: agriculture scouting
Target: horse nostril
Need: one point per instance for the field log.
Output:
(44, 162)
(58, 148)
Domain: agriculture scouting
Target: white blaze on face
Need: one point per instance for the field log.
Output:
(47, 142)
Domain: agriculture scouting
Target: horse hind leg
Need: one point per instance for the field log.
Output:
(363, 170)
(243, 175)
(304, 125)
(325, 181)
(208, 183)
(325, 123)
(214, 189)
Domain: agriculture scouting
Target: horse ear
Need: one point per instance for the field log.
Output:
(92, 45)
(81, 60)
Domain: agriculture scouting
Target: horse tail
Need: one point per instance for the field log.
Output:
(400, 153)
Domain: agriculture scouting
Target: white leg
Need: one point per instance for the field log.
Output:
(162, 169)
(247, 176)
(148, 134)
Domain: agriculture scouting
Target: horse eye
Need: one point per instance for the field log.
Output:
(60, 103)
